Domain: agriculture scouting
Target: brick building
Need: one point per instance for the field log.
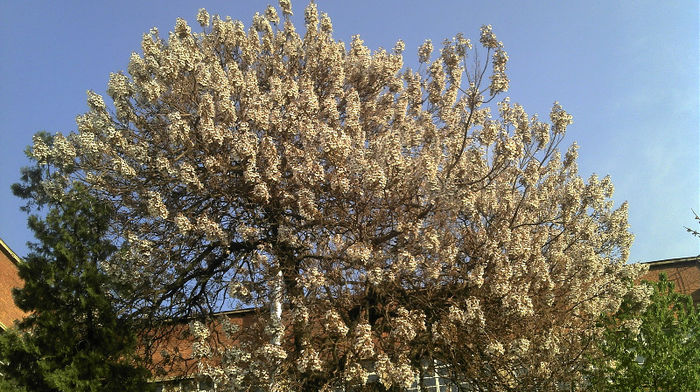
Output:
(684, 272)
(9, 279)
(174, 365)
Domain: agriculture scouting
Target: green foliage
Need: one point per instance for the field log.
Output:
(74, 340)
(660, 354)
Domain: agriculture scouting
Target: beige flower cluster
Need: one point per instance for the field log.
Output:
(413, 222)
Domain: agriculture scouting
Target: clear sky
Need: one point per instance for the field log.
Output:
(627, 71)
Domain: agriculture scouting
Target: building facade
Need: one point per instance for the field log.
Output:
(9, 280)
(684, 272)
(174, 366)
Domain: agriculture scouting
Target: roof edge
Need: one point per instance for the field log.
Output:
(10, 254)
(232, 312)
(675, 260)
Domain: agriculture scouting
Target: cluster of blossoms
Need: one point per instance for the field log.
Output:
(405, 220)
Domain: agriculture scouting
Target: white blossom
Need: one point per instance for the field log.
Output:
(402, 207)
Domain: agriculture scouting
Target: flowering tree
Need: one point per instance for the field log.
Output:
(398, 220)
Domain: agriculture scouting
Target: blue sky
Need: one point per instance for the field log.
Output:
(627, 71)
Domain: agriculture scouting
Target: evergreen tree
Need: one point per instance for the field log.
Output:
(74, 339)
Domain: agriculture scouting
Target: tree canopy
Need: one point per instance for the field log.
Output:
(652, 344)
(73, 338)
(406, 217)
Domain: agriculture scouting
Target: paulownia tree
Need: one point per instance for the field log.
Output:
(402, 219)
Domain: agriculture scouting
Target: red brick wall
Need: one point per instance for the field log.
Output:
(9, 279)
(171, 355)
(684, 274)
